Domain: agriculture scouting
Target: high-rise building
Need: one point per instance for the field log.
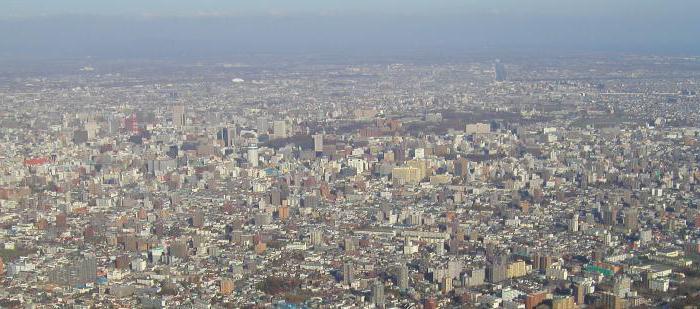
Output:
(253, 155)
(279, 129)
(612, 301)
(516, 269)
(318, 143)
(580, 291)
(378, 294)
(622, 286)
(566, 302)
(610, 216)
(403, 276)
(532, 300)
(226, 286)
(179, 116)
(405, 175)
(446, 285)
(283, 212)
(80, 271)
(348, 244)
(573, 223)
(225, 135)
(87, 269)
(631, 219)
(497, 271)
(316, 237)
(348, 273)
(262, 125)
(474, 277)
(499, 71)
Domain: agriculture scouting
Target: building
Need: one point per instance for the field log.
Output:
(474, 277)
(348, 273)
(226, 286)
(622, 285)
(516, 269)
(253, 155)
(565, 302)
(378, 294)
(81, 271)
(446, 285)
(631, 219)
(405, 175)
(179, 116)
(403, 277)
(532, 300)
(573, 223)
(316, 237)
(318, 143)
(477, 128)
(612, 301)
(279, 129)
(580, 291)
(499, 71)
(610, 216)
(497, 272)
(226, 135)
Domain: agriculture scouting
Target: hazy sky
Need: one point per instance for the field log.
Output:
(641, 8)
(204, 28)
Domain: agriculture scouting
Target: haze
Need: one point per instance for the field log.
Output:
(172, 29)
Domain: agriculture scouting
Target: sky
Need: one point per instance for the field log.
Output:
(56, 29)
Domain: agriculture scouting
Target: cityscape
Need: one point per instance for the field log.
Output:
(485, 180)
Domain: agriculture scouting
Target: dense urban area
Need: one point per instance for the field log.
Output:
(519, 182)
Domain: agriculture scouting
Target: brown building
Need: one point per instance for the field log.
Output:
(534, 299)
(260, 248)
(430, 303)
(226, 286)
(283, 212)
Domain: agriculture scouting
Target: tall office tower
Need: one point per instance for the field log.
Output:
(610, 216)
(226, 136)
(349, 244)
(612, 301)
(622, 286)
(131, 124)
(179, 116)
(348, 273)
(226, 286)
(318, 143)
(446, 285)
(573, 223)
(499, 71)
(497, 271)
(253, 155)
(316, 237)
(279, 129)
(403, 276)
(262, 125)
(92, 129)
(580, 291)
(378, 294)
(631, 219)
(87, 269)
